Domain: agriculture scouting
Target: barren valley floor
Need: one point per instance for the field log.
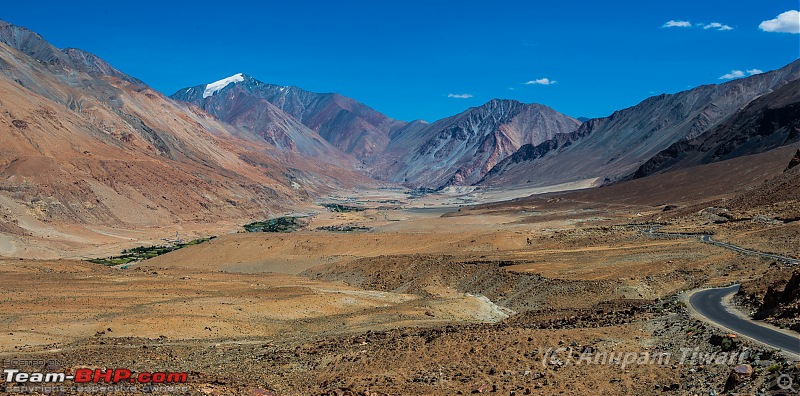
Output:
(422, 303)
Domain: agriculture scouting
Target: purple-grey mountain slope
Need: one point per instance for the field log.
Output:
(348, 125)
(769, 122)
(614, 147)
(459, 150)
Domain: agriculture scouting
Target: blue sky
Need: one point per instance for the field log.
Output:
(429, 59)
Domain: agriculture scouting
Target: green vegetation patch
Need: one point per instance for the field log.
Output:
(344, 228)
(339, 208)
(144, 252)
(279, 224)
(420, 192)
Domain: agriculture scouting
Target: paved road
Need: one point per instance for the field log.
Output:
(707, 239)
(708, 303)
(788, 260)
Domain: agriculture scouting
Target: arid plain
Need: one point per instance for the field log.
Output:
(424, 298)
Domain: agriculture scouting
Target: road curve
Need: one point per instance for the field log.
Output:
(709, 304)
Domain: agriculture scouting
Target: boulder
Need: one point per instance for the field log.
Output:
(739, 375)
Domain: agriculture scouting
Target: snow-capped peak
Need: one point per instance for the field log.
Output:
(217, 85)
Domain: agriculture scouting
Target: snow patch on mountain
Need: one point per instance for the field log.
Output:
(217, 85)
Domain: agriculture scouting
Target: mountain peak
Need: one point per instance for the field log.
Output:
(506, 107)
(495, 102)
(212, 88)
(460, 149)
(350, 126)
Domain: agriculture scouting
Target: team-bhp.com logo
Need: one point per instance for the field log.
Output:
(85, 376)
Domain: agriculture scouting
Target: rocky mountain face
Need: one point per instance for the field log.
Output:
(613, 147)
(768, 122)
(58, 60)
(459, 150)
(84, 144)
(503, 143)
(232, 100)
(241, 148)
(346, 124)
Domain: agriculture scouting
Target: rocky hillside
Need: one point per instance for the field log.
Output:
(777, 197)
(83, 144)
(611, 148)
(348, 125)
(794, 162)
(459, 150)
(768, 122)
(774, 298)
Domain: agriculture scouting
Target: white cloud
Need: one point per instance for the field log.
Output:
(717, 26)
(732, 74)
(705, 26)
(738, 74)
(459, 96)
(541, 81)
(787, 22)
(670, 24)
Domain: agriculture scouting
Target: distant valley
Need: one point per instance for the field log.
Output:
(86, 144)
